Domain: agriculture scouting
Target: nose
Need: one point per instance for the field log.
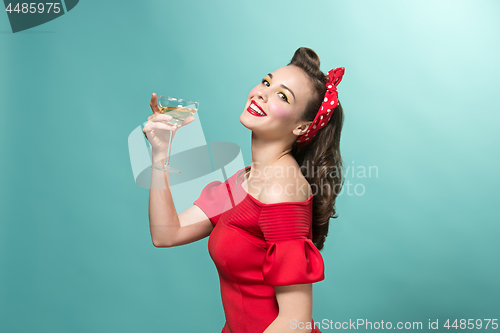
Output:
(261, 95)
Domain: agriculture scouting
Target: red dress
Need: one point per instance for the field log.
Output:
(257, 246)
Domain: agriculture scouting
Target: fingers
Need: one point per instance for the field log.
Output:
(146, 131)
(154, 104)
(151, 125)
(162, 126)
(188, 120)
(160, 117)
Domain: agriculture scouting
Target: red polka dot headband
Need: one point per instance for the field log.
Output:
(329, 104)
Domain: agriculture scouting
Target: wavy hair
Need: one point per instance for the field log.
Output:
(320, 158)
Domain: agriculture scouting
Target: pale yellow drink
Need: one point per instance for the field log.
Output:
(179, 114)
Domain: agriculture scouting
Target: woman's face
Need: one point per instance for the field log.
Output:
(273, 108)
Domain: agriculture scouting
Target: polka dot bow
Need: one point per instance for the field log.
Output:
(329, 104)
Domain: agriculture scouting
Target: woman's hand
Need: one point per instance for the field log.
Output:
(157, 130)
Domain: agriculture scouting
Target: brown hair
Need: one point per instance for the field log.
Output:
(322, 154)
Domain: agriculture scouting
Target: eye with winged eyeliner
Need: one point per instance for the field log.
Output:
(282, 85)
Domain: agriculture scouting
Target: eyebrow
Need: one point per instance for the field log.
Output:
(290, 90)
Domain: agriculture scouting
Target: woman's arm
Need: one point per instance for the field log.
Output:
(167, 227)
(295, 309)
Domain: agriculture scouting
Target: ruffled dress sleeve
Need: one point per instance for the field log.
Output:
(213, 199)
(291, 256)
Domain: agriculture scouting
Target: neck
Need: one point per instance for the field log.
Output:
(265, 156)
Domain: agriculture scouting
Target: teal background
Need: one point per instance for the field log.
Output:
(420, 96)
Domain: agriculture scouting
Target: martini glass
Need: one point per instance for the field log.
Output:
(179, 109)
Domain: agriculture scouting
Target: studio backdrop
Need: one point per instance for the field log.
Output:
(415, 243)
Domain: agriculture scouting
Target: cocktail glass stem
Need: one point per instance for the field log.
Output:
(169, 152)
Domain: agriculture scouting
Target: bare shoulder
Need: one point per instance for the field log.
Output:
(287, 185)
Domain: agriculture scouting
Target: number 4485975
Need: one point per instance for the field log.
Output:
(34, 7)
(472, 324)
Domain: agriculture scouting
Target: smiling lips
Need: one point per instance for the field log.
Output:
(256, 110)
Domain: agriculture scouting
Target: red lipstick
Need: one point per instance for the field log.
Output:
(253, 107)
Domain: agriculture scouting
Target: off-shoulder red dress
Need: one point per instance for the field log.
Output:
(257, 246)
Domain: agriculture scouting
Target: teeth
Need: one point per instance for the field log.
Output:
(256, 109)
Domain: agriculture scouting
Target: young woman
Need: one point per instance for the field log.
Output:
(266, 223)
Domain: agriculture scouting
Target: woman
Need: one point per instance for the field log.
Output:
(266, 224)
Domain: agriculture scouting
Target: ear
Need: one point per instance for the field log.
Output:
(302, 128)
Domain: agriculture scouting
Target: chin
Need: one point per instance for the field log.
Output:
(243, 120)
